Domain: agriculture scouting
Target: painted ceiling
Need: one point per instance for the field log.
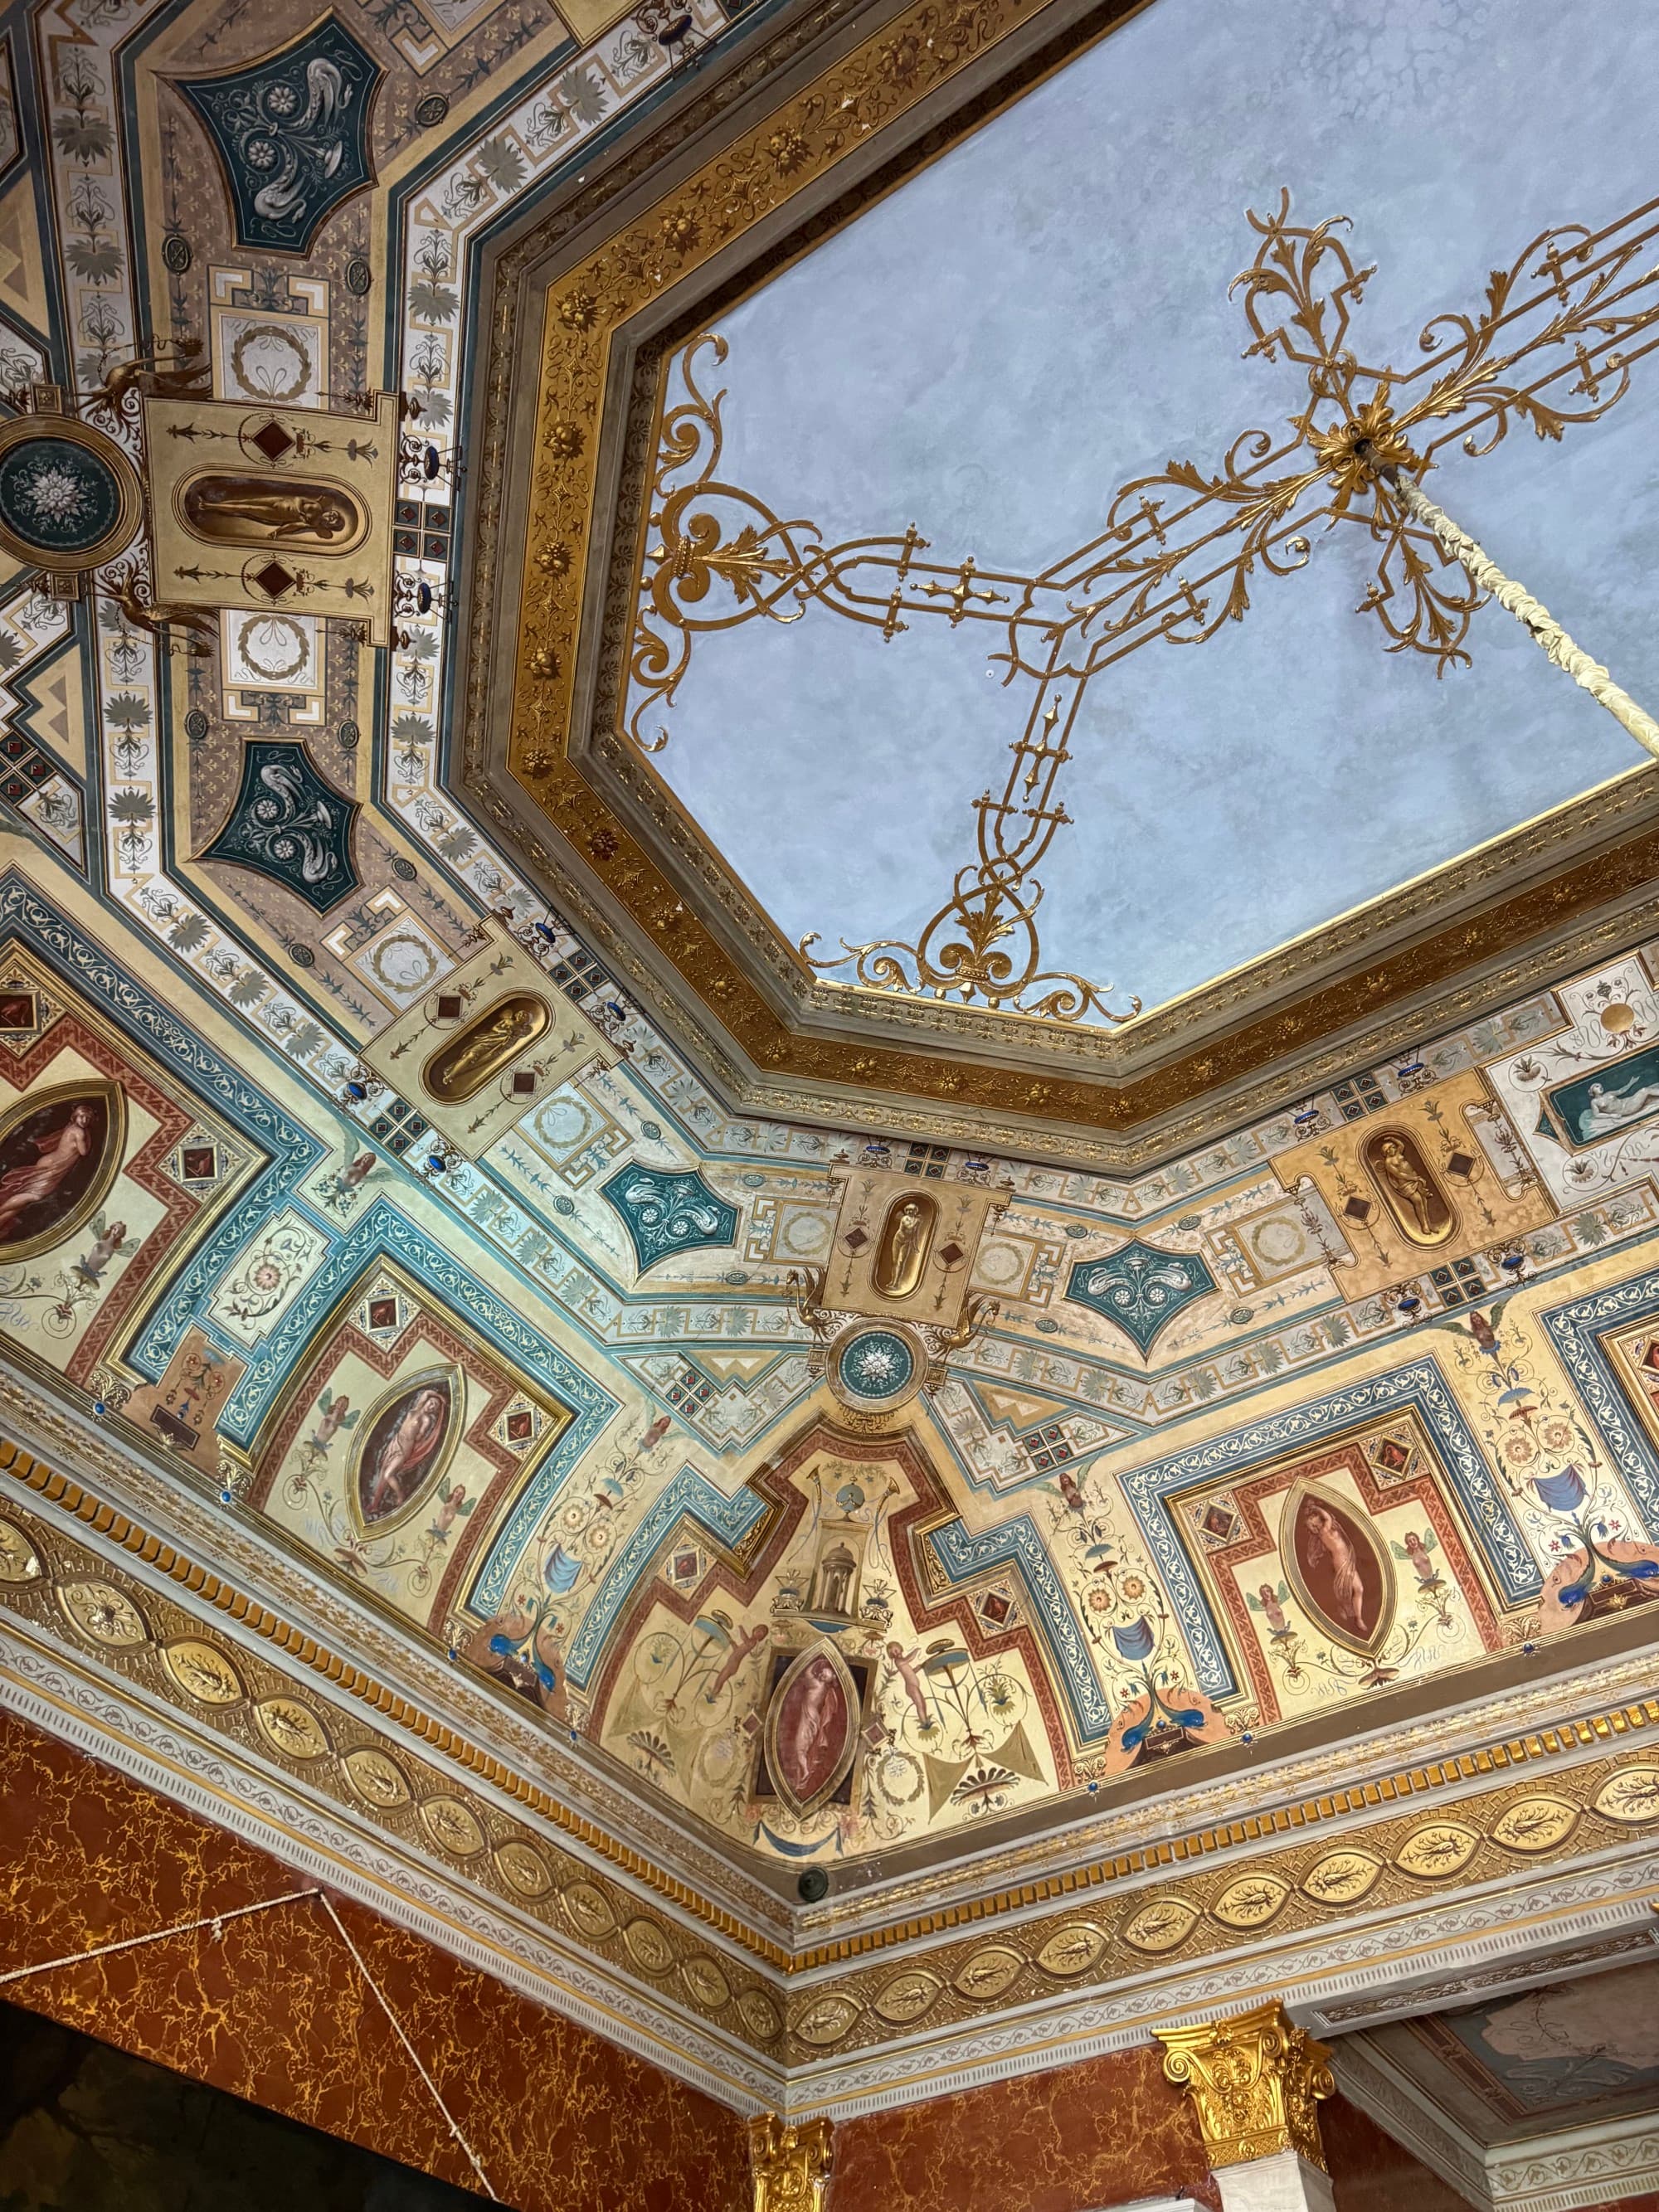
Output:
(842, 1495)
(1044, 314)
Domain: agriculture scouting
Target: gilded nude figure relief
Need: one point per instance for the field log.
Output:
(459, 1069)
(906, 1238)
(1408, 1187)
(251, 510)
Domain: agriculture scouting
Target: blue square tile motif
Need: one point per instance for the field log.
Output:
(1140, 1288)
(665, 1213)
(292, 131)
(290, 824)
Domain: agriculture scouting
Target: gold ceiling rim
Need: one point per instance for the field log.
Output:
(1599, 1731)
(778, 1026)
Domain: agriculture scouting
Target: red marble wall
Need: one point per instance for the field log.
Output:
(1102, 2132)
(1371, 2172)
(275, 2012)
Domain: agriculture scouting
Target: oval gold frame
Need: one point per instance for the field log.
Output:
(824, 1648)
(108, 1168)
(1367, 1647)
(451, 1378)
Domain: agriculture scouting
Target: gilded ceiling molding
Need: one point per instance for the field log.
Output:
(1254, 2079)
(80, 1710)
(905, 1916)
(1097, 1106)
(61, 1491)
(1539, 1858)
(244, 1557)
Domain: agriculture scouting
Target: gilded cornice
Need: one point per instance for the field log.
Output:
(1344, 1869)
(248, 1554)
(402, 1716)
(640, 879)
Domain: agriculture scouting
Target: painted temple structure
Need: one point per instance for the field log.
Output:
(821, 1389)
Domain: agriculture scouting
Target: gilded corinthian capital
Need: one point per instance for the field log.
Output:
(790, 2164)
(1254, 2079)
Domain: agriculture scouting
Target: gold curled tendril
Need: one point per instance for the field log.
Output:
(1553, 344)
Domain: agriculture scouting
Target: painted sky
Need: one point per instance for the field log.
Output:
(1042, 315)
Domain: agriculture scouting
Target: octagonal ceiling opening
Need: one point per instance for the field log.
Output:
(983, 357)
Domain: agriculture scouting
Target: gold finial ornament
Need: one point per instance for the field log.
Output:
(790, 2164)
(1254, 2080)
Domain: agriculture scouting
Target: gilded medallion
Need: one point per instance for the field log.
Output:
(1437, 1850)
(481, 1048)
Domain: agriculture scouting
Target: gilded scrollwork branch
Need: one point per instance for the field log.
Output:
(1553, 344)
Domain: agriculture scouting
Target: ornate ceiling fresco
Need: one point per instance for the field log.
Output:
(1224, 799)
(458, 1428)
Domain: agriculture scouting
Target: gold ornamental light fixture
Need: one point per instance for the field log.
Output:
(1552, 344)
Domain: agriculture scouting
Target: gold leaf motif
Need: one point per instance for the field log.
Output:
(908, 1995)
(18, 1560)
(1070, 1950)
(587, 1910)
(649, 1946)
(1631, 1796)
(203, 1672)
(291, 1728)
(1341, 1877)
(101, 1612)
(760, 2015)
(524, 1867)
(1535, 1824)
(1160, 1925)
(1437, 1850)
(1251, 1901)
(826, 2018)
(706, 1981)
(376, 1778)
(989, 1972)
(452, 1826)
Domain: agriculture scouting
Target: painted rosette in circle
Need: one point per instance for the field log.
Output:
(876, 1368)
(69, 496)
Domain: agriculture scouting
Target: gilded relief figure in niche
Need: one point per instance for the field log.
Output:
(403, 1446)
(1420, 1209)
(459, 1069)
(251, 510)
(1339, 1571)
(59, 1155)
(906, 1238)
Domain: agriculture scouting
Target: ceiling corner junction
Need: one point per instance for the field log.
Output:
(1531, 1826)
